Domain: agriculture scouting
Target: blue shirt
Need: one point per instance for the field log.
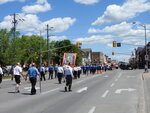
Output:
(51, 68)
(42, 69)
(33, 72)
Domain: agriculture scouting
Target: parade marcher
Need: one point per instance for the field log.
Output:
(17, 74)
(60, 73)
(1, 74)
(42, 72)
(56, 70)
(11, 72)
(84, 69)
(79, 71)
(68, 75)
(51, 70)
(32, 73)
(75, 72)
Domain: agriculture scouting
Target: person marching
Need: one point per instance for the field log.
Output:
(17, 74)
(75, 72)
(1, 74)
(79, 71)
(56, 67)
(51, 70)
(68, 75)
(42, 72)
(60, 73)
(32, 73)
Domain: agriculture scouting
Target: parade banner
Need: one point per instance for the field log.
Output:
(69, 58)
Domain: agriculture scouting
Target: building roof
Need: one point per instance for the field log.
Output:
(87, 49)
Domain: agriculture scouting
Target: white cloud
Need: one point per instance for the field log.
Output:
(5, 1)
(57, 38)
(60, 24)
(115, 29)
(95, 39)
(33, 24)
(109, 45)
(116, 13)
(87, 2)
(125, 32)
(39, 6)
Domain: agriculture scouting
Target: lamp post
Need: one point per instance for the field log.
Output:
(146, 55)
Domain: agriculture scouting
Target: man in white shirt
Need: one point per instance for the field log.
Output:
(68, 71)
(17, 74)
(1, 74)
(60, 73)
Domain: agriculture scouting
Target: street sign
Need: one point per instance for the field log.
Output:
(146, 57)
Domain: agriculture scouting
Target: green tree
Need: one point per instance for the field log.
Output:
(65, 46)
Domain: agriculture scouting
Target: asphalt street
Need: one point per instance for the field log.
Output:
(146, 79)
(118, 91)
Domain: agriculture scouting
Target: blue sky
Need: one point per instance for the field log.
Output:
(94, 23)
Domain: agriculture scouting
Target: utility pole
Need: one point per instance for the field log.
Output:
(40, 61)
(15, 22)
(48, 49)
(48, 54)
(14, 31)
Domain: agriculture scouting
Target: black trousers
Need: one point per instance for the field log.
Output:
(43, 76)
(75, 74)
(33, 83)
(69, 81)
(1, 78)
(79, 72)
(59, 75)
(50, 74)
(55, 73)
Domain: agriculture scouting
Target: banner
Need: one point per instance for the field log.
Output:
(69, 58)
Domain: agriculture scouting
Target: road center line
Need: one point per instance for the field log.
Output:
(112, 85)
(83, 89)
(50, 91)
(92, 110)
(105, 94)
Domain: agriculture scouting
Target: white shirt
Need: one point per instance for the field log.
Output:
(17, 70)
(75, 69)
(68, 72)
(60, 70)
(79, 68)
(1, 71)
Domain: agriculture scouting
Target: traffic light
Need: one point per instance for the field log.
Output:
(78, 44)
(118, 44)
(114, 44)
(113, 53)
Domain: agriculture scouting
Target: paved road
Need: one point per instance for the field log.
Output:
(115, 91)
(146, 79)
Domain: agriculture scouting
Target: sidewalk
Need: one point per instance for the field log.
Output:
(146, 81)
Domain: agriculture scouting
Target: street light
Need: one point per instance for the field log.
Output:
(146, 56)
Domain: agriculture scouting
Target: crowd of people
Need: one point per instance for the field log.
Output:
(63, 73)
